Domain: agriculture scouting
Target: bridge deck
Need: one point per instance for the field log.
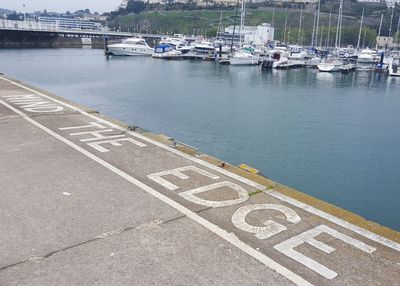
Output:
(33, 26)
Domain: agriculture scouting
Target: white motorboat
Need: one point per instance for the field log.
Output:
(285, 64)
(167, 52)
(330, 65)
(297, 53)
(176, 42)
(394, 67)
(204, 48)
(367, 56)
(130, 47)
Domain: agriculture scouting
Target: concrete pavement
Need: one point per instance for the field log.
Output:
(87, 202)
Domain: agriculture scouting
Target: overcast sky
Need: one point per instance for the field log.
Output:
(60, 5)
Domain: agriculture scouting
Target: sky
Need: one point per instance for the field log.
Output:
(60, 5)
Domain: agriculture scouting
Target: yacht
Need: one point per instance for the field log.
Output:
(367, 56)
(297, 53)
(394, 67)
(130, 47)
(204, 48)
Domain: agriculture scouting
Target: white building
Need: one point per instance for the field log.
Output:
(392, 3)
(123, 5)
(257, 35)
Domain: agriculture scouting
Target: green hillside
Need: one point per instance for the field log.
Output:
(205, 22)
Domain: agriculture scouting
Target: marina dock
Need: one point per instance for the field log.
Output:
(88, 200)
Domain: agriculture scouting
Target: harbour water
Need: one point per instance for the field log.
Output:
(332, 136)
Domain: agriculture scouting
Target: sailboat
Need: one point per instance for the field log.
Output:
(244, 56)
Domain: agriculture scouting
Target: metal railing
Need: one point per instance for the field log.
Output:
(50, 27)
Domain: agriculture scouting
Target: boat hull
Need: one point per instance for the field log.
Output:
(329, 68)
(121, 51)
(244, 61)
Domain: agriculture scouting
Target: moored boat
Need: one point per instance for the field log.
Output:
(167, 52)
(330, 65)
(130, 47)
(394, 67)
(244, 57)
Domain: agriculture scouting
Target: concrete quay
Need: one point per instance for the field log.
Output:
(88, 201)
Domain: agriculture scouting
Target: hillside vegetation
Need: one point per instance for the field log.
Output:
(206, 22)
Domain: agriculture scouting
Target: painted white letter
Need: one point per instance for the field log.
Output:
(190, 195)
(178, 173)
(287, 248)
(114, 142)
(271, 228)
(90, 125)
(97, 135)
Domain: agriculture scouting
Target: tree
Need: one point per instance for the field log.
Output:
(135, 6)
(87, 11)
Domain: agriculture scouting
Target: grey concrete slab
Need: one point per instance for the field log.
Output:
(380, 267)
(53, 197)
(179, 252)
(133, 160)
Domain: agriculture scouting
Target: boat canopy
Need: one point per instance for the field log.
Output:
(162, 48)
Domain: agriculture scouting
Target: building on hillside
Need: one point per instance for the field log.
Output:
(257, 35)
(123, 5)
(392, 3)
(389, 3)
(205, 3)
(385, 42)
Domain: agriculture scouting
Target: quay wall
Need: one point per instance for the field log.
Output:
(22, 39)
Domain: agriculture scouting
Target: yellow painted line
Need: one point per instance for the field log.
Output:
(249, 169)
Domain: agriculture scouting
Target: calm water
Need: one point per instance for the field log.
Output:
(333, 136)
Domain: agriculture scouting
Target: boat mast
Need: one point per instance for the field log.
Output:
(273, 16)
(337, 41)
(391, 22)
(397, 32)
(341, 20)
(234, 25)
(329, 29)
(284, 34)
(322, 32)
(219, 25)
(365, 34)
(359, 34)
(299, 36)
(313, 30)
(379, 33)
(317, 26)
(242, 15)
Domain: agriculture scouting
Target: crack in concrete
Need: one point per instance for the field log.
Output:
(143, 227)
